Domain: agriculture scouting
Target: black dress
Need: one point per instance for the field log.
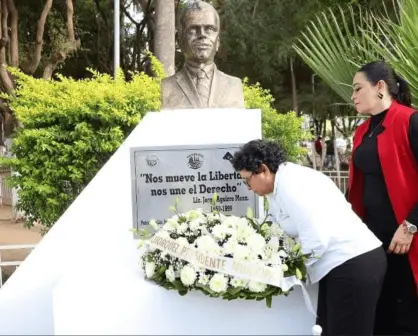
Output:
(397, 310)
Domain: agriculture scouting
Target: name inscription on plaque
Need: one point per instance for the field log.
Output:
(193, 174)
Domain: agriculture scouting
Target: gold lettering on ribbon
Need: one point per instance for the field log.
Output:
(248, 270)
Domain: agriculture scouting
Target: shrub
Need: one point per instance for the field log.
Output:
(71, 128)
(285, 128)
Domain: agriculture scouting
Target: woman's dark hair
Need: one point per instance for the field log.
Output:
(398, 87)
(253, 154)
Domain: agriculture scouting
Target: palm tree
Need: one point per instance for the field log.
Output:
(397, 42)
(338, 42)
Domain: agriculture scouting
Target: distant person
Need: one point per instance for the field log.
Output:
(318, 145)
(329, 153)
(383, 188)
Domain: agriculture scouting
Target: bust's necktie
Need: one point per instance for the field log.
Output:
(203, 86)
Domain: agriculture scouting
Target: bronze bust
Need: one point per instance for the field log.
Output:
(199, 84)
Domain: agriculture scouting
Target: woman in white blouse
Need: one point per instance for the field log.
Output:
(351, 262)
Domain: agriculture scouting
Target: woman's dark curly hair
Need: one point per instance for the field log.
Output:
(253, 154)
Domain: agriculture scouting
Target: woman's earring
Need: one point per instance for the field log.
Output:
(380, 95)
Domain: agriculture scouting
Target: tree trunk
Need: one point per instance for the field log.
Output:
(14, 42)
(40, 27)
(70, 46)
(294, 91)
(164, 44)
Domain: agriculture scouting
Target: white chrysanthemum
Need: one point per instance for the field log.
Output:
(171, 224)
(243, 231)
(242, 252)
(170, 275)
(257, 287)
(239, 282)
(195, 224)
(149, 269)
(230, 245)
(208, 244)
(218, 283)
(182, 228)
(256, 242)
(188, 275)
(276, 230)
(203, 279)
(285, 268)
(220, 231)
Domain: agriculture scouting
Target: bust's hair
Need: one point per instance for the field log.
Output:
(194, 6)
(253, 154)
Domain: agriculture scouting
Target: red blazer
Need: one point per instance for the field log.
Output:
(400, 170)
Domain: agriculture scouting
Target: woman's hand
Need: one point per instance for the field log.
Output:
(401, 241)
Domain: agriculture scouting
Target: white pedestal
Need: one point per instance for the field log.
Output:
(91, 257)
(117, 301)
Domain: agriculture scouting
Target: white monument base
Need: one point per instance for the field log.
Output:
(118, 301)
(83, 277)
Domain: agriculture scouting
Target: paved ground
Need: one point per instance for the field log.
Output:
(15, 234)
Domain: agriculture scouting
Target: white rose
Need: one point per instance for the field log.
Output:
(170, 275)
(257, 287)
(256, 242)
(149, 269)
(218, 283)
(188, 275)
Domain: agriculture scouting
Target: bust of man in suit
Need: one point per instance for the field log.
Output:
(199, 84)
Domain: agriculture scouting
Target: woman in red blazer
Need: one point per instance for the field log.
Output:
(383, 188)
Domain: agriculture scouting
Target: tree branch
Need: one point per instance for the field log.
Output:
(101, 12)
(129, 16)
(40, 27)
(69, 47)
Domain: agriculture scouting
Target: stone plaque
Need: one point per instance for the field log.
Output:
(193, 174)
